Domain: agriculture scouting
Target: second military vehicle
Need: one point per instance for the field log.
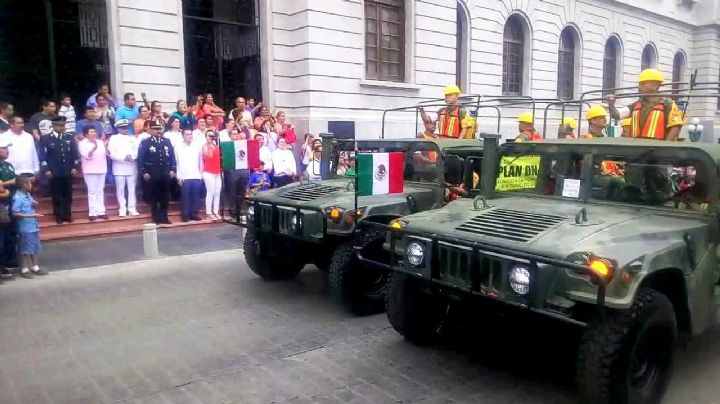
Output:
(617, 236)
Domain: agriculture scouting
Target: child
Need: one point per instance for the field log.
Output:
(23, 209)
(259, 180)
(68, 111)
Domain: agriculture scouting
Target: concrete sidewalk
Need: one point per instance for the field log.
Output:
(86, 253)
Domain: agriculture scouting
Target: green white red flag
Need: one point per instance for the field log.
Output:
(240, 154)
(380, 173)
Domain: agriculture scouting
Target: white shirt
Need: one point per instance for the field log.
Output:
(199, 136)
(119, 147)
(189, 162)
(224, 136)
(69, 114)
(173, 137)
(23, 154)
(245, 116)
(284, 160)
(142, 136)
(313, 170)
(266, 157)
(271, 139)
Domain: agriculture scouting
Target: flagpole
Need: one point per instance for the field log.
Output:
(355, 187)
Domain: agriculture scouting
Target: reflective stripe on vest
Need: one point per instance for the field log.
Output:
(449, 126)
(654, 127)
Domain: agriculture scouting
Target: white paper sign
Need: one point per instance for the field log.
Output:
(571, 188)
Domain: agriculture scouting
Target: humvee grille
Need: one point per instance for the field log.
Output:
(309, 192)
(513, 225)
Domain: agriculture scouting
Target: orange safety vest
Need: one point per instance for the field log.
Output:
(449, 125)
(609, 167)
(431, 155)
(654, 127)
(529, 136)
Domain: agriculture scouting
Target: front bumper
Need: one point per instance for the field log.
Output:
(482, 269)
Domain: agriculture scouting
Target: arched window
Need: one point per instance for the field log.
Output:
(462, 47)
(611, 61)
(566, 63)
(385, 39)
(678, 72)
(513, 56)
(649, 57)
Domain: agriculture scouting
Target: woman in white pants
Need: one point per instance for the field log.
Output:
(123, 149)
(94, 167)
(211, 176)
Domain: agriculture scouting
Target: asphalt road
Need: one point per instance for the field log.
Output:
(204, 329)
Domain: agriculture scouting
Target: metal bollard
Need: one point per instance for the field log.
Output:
(150, 241)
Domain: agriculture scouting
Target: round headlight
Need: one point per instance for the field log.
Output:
(415, 253)
(520, 280)
(251, 211)
(295, 222)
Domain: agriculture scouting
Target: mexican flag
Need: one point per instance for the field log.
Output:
(240, 154)
(380, 173)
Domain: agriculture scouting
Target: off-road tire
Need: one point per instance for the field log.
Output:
(416, 315)
(268, 267)
(345, 277)
(607, 349)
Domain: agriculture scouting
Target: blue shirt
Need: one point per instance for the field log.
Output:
(83, 123)
(23, 204)
(128, 113)
(257, 178)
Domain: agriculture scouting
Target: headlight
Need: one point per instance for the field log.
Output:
(415, 253)
(520, 280)
(251, 211)
(296, 223)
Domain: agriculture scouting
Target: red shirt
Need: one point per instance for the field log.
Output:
(211, 164)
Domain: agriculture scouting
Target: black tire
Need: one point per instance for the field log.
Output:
(628, 357)
(360, 288)
(268, 267)
(416, 315)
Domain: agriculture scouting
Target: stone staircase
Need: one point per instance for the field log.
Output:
(82, 227)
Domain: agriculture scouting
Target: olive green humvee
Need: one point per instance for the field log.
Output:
(317, 221)
(618, 236)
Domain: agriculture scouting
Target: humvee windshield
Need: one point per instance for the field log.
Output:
(662, 177)
(420, 158)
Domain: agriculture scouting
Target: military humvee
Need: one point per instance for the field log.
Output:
(618, 236)
(315, 221)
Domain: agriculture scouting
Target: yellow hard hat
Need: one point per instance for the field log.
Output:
(571, 122)
(526, 117)
(452, 89)
(596, 111)
(651, 75)
(626, 122)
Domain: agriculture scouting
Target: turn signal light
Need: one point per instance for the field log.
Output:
(602, 268)
(335, 214)
(397, 225)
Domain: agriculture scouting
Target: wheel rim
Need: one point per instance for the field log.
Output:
(649, 359)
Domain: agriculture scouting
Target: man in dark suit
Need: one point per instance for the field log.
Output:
(58, 160)
(157, 165)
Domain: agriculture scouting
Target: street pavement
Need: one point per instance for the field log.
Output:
(203, 329)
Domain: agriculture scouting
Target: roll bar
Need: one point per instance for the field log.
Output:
(494, 102)
(587, 101)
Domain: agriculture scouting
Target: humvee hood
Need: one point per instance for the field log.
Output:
(334, 192)
(550, 228)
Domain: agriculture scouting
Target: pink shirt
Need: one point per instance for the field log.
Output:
(95, 164)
